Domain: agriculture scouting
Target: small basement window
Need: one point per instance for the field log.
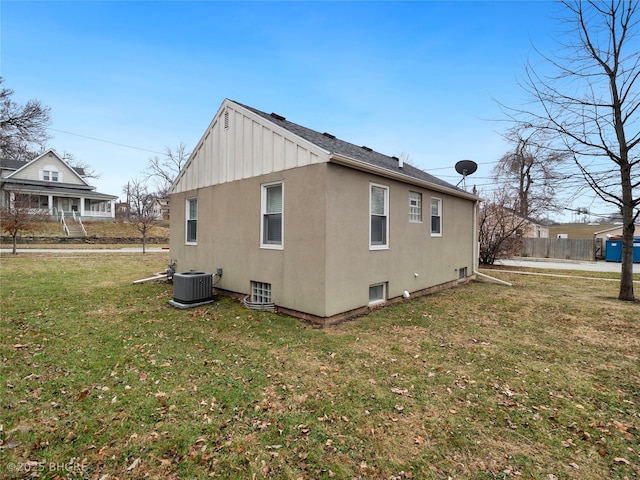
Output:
(462, 273)
(377, 293)
(260, 292)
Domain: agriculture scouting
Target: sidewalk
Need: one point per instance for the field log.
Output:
(5, 251)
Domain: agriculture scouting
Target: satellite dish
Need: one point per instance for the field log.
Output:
(466, 167)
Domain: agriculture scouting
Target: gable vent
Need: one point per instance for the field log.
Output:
(328, 135)
(277, 117)
(226, 120)
(367, 149)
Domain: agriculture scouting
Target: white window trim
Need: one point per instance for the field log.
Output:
(386, 213)
(187, 205)
(51, 169)
(419, 208)
(263, 209)
(435, 234)
(382, 300)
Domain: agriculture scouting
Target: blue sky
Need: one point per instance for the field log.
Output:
(415, 78)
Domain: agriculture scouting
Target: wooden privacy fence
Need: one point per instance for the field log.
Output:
(564, 248)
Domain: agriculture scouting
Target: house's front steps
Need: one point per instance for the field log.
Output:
(75, 230)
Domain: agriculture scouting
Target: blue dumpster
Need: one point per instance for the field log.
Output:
(613, 251)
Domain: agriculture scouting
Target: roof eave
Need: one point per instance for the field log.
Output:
(400, 176)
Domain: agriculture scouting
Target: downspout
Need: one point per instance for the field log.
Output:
(476, 250)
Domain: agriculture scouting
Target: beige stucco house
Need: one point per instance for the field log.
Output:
(50, 186)
(529, 228)
(614, 232)
(319, 227)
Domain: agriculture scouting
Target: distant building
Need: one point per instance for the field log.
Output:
(161, 208)
(52, 187)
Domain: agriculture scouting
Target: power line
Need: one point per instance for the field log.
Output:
(106, 141)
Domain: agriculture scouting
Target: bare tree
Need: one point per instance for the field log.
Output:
(591, 103)
(20, 214)
(164, 170)
(530, 172)
(22, 127)
(81, 167)
(141, 212)
(498, 228)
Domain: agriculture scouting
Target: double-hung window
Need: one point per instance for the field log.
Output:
(415, 207)
(436, 217)
(50, 175)
(272, 215)
(192, 220)
(379, 217)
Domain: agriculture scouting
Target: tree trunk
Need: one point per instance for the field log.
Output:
(626, 276)
(15, 235)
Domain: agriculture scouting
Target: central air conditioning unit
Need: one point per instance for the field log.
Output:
(191, 289)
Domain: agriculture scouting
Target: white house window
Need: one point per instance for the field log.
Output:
(192, 220)
(436, 217)
(415, 207)
(377, 293)
(50, 176)
(379, 217)
(260, 292)
(272, 222)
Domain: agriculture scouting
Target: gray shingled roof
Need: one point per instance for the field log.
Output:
(10, 164)
(339, 147)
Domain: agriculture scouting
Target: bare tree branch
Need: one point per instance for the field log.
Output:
(164, 170)
(22, 127)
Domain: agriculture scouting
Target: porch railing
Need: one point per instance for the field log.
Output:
(64, 223)
(79, 220)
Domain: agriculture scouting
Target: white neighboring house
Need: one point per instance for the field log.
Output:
(161, 208)
(53, 187)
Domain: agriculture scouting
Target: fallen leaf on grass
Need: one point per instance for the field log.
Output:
(622, 460)
(135, 464)
(400, 391)
(83, 395)
(623, 428)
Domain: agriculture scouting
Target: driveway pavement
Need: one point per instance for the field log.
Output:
(556, 264)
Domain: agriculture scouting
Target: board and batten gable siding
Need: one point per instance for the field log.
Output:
(238, 144)
(48, 161)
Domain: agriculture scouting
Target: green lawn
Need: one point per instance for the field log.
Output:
(103, 379)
